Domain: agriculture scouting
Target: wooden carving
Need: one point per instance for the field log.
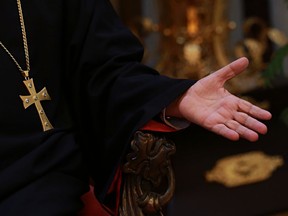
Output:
(149, 180)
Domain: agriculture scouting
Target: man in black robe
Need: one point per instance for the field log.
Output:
(101, 94)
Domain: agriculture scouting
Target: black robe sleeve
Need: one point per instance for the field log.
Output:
(111, 92)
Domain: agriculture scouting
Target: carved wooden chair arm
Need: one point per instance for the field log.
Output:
(149, 180)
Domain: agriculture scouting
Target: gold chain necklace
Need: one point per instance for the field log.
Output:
(34, 97)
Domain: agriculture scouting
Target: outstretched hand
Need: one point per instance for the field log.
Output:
(208, 104)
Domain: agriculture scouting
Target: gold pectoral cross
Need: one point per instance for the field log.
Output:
(36, 98)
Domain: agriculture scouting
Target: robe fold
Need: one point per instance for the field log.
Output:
(101, 94)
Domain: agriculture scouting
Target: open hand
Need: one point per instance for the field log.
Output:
(208, 104)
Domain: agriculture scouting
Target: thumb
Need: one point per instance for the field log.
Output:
(231, 70)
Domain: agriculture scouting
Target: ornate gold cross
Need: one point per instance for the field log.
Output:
(36, 98)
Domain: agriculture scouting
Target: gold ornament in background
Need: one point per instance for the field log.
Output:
(197, 27)
(194, 40)
(243, 169)
(189, 32)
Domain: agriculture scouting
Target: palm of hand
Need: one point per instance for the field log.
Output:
(208, 104)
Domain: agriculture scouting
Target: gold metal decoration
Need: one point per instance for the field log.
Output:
(36, 98)
(149, 177)
(193, 36)
(243, 169)
(194, 40)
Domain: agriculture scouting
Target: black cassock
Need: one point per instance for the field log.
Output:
(101, 94)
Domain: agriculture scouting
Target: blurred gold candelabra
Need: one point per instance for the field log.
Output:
(194, 41)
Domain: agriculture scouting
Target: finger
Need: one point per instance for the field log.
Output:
(231, 70)
(226, 132)
(243, 131)
(254, 111)
(250, 122)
